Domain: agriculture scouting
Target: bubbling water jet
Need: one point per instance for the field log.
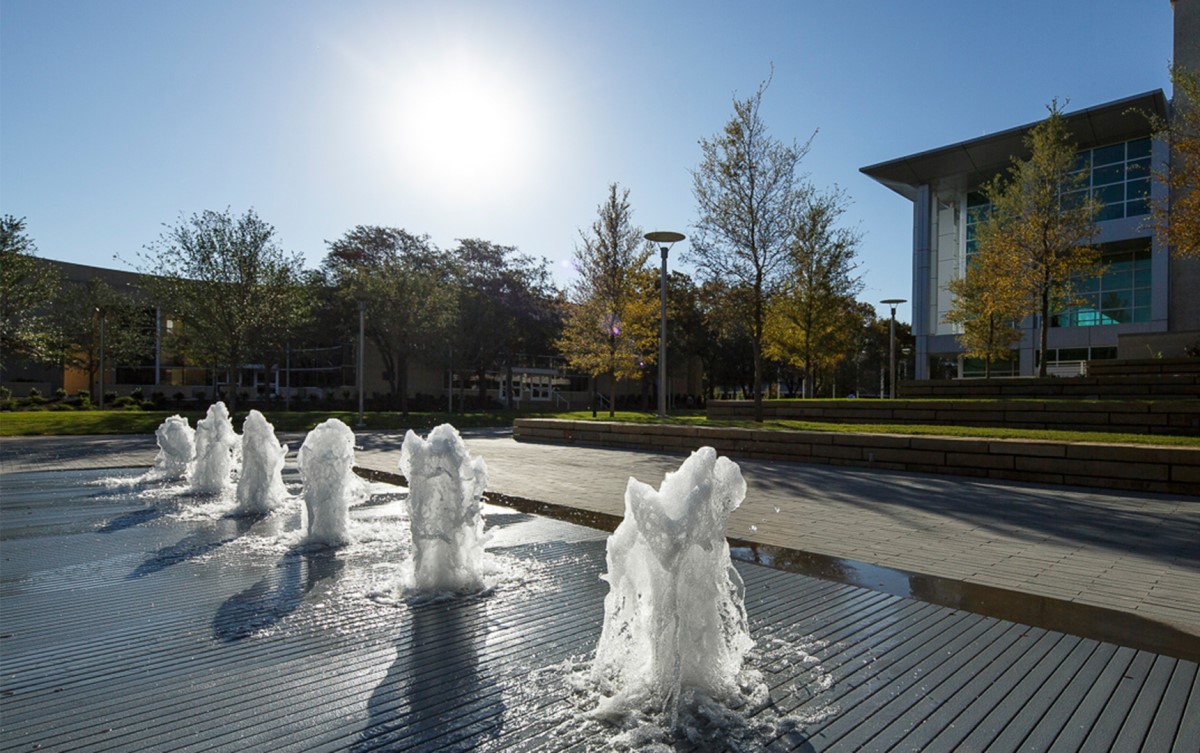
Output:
(216, 446)
(260, 483)
(674, 618)
(326, 462)
(176, 450)
(445, 497)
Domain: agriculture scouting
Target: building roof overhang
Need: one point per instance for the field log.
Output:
(982, 157)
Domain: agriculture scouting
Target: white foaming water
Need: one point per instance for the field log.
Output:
(674, 618)
(445, 493)
(326, 462)
(176, 450)
(217, 444)
(260, 485)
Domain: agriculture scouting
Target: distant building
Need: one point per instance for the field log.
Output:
(321, 367)
(1143, 298)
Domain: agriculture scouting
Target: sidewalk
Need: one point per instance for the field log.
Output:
(1137, 553)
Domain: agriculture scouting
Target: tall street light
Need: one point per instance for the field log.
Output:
(893, 302)
(362, 309)
(100, 310)
(665, 239)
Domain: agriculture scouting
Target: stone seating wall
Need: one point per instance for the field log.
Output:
(1129, 467)
(1125, 416)
(1145, 379)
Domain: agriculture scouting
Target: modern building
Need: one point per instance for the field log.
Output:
(1144, 302)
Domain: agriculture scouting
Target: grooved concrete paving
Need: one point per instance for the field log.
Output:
(1138, 553)
(138, 619)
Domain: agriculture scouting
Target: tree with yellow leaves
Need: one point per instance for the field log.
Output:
(1041, 226)
(988, 304)
(610, 322)
(1177, 217)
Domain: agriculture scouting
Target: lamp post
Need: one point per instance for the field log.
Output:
(665, 239)
(362, 309)
(100, 311)
(893, 302)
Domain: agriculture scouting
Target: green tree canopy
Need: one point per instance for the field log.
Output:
(407, 286)
(236, 291)
(27, 285)
(128, 327)
(506, 303)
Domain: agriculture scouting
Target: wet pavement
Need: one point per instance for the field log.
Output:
(139, 618)
(1110, 553)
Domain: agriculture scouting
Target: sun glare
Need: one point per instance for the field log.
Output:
(465, 128)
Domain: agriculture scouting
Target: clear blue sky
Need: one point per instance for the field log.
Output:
(507, 120)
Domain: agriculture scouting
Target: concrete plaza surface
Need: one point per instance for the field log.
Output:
(1137, 553)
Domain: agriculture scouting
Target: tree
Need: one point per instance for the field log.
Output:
(1042, 218)
(1177, 217)
(506, 301)
(988, 305)
(745, 190)
(610, 321)
(128, 327)
(729, 357)
(27, 284)
(808, 322)
(406, 284)
(236, 291)
(688, 335)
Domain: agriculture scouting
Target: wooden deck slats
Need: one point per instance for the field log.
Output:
(128, 628)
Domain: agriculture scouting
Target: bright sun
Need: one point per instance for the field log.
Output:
(465, 128)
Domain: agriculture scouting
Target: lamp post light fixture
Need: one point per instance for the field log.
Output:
(362, 309)
(665, 239)
(893, 302)
(100, 310)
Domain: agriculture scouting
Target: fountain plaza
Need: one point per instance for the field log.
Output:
(736, 605)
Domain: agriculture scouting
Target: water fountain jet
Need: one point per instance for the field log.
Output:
(216, 446)
(674, 618)
(445, 497)
(326, 462)
(260, 483)
(176, 450)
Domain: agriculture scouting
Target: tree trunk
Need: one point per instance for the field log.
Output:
(508, 377)
(481, 375)
(612, 393)
(1044, 331)
(757, 386)
(756, 348)
(230, 379)
(401, 375)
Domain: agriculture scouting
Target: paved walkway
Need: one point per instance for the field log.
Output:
(1138, 553)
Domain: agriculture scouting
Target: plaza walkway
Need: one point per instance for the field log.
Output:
(1134, 553)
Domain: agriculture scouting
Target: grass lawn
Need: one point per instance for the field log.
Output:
(72, 423)
(67, 423)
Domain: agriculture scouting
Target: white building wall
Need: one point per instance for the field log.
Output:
(947, 249)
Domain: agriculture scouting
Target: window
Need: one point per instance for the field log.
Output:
(975, 368)
(1118, 176)
(1119, 295)
(978, 208)
(1056, 356)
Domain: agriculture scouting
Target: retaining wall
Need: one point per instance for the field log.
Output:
(1148, 379)
(1127, 467)
(1127, 416)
